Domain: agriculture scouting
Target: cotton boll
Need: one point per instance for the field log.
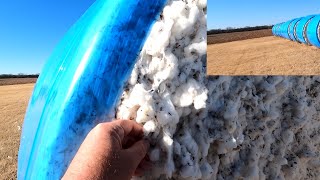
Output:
(172, 65)
(187, 171)
(169, 70)
(156, 65)
(186, 93)
(139, 95)
(282, 87)
(232, 111)
(253, 173)
(193, 14)
(186, 111)
(227, 145)
(287, 136)
(149, 126)
(176, 9)
(154, 155)
(199, 48)
(187, 69)
(202, 4)
(145, 113)
(176, 148)
(169, 165)
(186, 158)
(203, 143)
(187, 141)
(166, 112)
(200, 100)
(180, 111)
(155, 44)
(129, 113)
(201, 36)
(206, 170)
(182, 98)
(134, 77)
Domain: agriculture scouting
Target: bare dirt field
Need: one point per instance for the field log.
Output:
(13, 103)
(12, 81)
(263, 56)
(237, 36)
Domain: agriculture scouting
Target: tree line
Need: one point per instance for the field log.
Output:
(4, 76)
(231, 29)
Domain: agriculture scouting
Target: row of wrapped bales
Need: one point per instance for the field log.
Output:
(304, 30)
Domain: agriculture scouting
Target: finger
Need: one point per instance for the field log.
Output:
(145, 165)
(128, 128)
(128, 141)
(138, 151)
(138, 172)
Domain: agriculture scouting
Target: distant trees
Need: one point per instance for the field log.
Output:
(20, 75)
(231, 29)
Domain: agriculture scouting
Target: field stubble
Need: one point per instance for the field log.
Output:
(13, 81)
(263, 56)
(13, 103)
(237, 36)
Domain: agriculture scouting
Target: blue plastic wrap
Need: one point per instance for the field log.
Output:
(282, 29)
(304, 30)
(81, 83)
(292, 27)
(301, 29)
(278, 30)
(313, 31)
(285, 30)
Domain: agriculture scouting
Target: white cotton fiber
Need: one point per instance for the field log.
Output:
(218, 127)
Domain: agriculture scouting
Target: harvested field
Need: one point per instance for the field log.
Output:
(263, 56)
(237, 36)
(13, 103)
(12, 81)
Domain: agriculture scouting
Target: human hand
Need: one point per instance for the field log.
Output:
(113, 150)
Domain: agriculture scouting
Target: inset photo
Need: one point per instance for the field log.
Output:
(263, 38)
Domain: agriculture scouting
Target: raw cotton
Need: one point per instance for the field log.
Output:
(217, 127)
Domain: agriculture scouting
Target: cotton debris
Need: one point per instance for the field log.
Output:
(217, 127)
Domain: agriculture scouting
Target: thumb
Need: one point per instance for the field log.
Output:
(138, 151)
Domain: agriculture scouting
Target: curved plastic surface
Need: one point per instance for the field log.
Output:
(292, 27)
(276, 29)
(81, 83)
(281, 29)
(301, 28)
(313, 30)
(285, 29)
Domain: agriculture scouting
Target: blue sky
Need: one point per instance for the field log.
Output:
(241, 13)
(31, 29)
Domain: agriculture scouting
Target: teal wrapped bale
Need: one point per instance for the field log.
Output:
(292, 28)
(313, 31)
(81, 83)
(301, 29)
(305, 30)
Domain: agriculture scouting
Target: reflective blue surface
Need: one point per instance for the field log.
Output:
(81, 83)
(301, 27)
(313, 31)
(292, 29)
(303, 30)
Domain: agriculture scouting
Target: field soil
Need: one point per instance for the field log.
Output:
(12, 81)
(13, 103)
(263, 56)
(237, 36)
